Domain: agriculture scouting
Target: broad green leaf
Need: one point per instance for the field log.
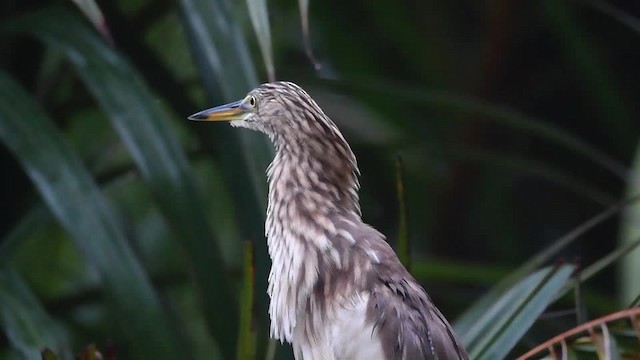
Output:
(260, 20)
(77, 203)
(504, 323)
(24, 321)
(144, 128)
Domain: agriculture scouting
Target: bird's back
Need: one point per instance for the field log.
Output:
(377, 311)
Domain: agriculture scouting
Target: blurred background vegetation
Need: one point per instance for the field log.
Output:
(126, 226)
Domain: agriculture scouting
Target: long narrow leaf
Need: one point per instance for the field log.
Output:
(621, 16)
(92, 11)
(260, 20)
(77, 203)
(629, 231)
(144, 128)
(404, 247)
(24, 321)
(304, 18)
(612, 257)
(35, 218)
(614, 118)
(469, 317)
(504, 323)
(247, 336)
(227, 72)
(488, 112)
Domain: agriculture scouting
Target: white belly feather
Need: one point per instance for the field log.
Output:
(344, 336)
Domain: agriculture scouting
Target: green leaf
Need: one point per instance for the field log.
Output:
(612, 257)
(404, 247)
(227, 72)
(630, 231)
(469, 317)
(260, 20)
(544, 171)
(598, 87)
(144, 128)
(623, 17)
(247, 337)
(36, 217)
(502, 324)
(462, 273)
(304, 18)
(77, 203)
(485, 111)
(92, 11)
(24, 321)
(48, 354)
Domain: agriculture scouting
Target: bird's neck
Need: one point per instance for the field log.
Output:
(309, 190)
(323, 172)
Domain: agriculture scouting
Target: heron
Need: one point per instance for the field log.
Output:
(337, 289)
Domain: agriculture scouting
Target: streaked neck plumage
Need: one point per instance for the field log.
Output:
(312, 182)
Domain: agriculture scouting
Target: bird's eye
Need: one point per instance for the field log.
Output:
(252, 101)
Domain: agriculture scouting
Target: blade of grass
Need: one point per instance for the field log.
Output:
(247, 336)
(144, 128)
(630, 230)
(260, 20)
(404, 247)
(77, 203)
(304, 19)
(608, 259)
(24, 321)
(92, 11)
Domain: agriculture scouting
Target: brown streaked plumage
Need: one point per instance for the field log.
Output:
(338, 291)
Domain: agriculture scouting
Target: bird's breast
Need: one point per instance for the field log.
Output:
(345, 333)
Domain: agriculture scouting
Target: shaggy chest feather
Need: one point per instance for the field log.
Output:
(302, 237)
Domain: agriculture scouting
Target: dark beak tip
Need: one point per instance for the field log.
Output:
(195, 117)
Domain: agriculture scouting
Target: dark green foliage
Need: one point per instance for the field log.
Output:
(123, 224)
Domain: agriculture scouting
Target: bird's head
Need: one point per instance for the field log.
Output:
(304, 137)
(282, 110)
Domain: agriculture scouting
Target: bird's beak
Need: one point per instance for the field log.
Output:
(229, 112)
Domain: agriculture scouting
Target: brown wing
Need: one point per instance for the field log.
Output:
(409, 324)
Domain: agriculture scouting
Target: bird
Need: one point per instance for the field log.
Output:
(337, 289)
